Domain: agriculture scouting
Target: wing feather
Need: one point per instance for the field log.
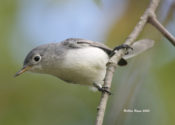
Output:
(80, 43)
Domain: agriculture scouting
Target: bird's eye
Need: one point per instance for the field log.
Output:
(37, 58)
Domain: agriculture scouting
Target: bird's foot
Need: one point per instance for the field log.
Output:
(102, 89)
(123, 46)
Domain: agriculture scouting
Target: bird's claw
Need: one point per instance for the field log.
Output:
(124, 46)
(104, 89)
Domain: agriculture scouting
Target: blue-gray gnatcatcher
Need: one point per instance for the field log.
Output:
(77, 61)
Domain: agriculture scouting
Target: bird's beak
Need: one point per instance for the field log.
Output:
(24, 69)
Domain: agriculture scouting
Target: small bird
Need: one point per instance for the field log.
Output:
(78, 61)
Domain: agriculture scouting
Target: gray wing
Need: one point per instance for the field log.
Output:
(80, 43)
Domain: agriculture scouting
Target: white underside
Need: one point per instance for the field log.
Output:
(83, 66)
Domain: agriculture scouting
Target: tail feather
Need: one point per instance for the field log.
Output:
(139, 47)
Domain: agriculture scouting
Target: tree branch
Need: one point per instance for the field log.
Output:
(153, 20)
(112, 64)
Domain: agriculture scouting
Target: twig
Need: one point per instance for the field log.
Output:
(112, 64)
(153, 20)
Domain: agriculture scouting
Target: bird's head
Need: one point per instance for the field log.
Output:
(35, 60)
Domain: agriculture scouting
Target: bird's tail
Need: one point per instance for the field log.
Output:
(139, 47)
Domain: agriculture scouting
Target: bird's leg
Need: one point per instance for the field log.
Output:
(122, 46)
(101, 88)
(122, 62)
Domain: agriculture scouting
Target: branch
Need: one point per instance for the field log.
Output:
(153, 20)
(112, 64)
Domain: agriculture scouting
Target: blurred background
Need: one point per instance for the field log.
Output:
(147, 82)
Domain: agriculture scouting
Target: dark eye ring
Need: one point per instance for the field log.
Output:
(37, 58)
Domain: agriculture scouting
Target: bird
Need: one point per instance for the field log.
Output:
(78, 61)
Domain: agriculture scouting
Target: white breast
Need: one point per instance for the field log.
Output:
(84, 66)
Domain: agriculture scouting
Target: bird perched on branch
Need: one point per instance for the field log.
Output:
(78, 61)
